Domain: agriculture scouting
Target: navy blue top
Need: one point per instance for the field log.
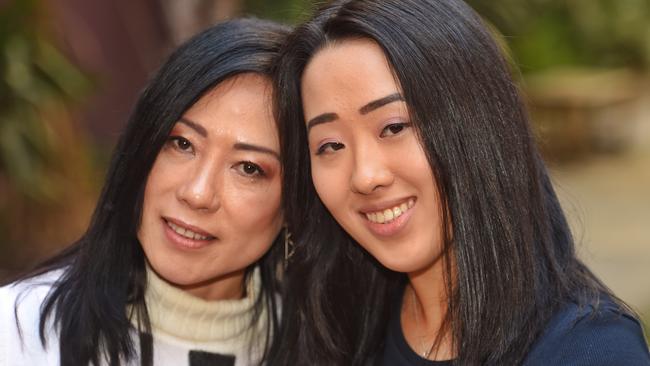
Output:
(574, 336)
(581, 336)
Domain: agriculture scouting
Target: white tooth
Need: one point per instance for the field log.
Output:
(186, 232)
(380, 217)
(388, 214)
(369, 216)
(411, 203)
(397, 212)
(373, 217)
(403, 207)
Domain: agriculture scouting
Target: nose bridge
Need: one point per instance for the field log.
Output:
(202, 185)
(371, 170)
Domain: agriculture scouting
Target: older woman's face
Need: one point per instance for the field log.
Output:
(212, 199)
(367, 164)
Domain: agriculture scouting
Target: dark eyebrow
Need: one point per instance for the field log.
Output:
(329, 117)
(323, 118)
(380, 103)
(195, 126)
(250, 147)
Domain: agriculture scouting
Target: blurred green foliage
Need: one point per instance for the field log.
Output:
(541, 34)
(34, 76)
(594, 33)
(287, 11)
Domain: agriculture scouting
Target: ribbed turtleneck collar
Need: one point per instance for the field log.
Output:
(177, 313)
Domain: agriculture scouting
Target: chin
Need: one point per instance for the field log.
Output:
(404, 262)
(175, 274)
(400, 266)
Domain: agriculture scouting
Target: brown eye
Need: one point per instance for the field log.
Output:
(394, 129)
(249, 169)
(181, 144)
(329, 147)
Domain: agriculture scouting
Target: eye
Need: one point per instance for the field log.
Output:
(181, 144)
(329, 147)
(249, 169)
(394, 129)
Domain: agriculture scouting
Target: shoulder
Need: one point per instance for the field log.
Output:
(26, 295)
(597, 334)
(20, 310)
(42, 281)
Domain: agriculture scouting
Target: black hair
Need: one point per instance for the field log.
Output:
(513, 252)
(104, 272)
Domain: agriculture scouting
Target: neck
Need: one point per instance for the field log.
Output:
(228, 287)
(424, 312)
(427, 287)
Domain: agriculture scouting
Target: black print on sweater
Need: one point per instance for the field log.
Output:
(202, 358)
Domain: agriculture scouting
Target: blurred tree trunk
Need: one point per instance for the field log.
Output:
(188, 17)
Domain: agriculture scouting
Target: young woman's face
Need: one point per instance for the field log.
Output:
(368, 166)
(212, 199)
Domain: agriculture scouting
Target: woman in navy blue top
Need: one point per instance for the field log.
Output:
(426, 227)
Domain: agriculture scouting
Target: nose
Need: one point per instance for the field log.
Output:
(371, 170)
(200, 189)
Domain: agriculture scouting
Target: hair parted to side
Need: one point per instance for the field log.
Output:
(514, 256)
(104, 271)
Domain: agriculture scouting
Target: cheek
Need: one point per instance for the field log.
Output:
(414, 165)
(254, 209)
(330, 185)
(419, 173)
(152, 189)
(163, 177)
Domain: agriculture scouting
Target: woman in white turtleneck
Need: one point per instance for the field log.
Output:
(179, 264)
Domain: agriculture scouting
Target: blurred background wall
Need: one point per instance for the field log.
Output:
(70, 71)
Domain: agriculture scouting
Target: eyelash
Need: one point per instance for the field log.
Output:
(403, 126)
(176, 142)
(259, 172)
(334, 146)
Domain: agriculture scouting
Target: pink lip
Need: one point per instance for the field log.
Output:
(182, 242)
(391, 228)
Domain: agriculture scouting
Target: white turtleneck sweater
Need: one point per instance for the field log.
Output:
(186, 330)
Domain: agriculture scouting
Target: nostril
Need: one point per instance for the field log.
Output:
(371, 181)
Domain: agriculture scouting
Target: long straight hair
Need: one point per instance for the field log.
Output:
(104, 271)
(514, 256)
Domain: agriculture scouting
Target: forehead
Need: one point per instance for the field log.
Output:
(352, 71)
(239, 107)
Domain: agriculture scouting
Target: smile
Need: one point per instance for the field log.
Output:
(187, 233)
(390, 214)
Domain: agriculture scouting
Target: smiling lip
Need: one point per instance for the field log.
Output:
(388, 226)
(199, 238)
